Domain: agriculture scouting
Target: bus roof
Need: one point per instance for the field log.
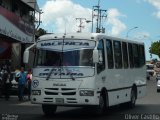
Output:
(89, 36)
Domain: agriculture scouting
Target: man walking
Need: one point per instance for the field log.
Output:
(22, 80)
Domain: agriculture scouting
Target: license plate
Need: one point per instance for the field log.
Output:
(59, 100)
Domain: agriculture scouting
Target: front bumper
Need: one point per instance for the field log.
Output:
(65, 98)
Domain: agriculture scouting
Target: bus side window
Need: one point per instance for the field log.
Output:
(109, 54)
(125, 54)
(130, 55)
(101, 64)
(135, 55)
(141, 56)
(117, 54)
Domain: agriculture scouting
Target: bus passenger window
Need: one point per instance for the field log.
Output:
(130, 55)
(135, 55)
(109, 54)
(101, 64)
(117, 54)
(125, 54)
(141, 56)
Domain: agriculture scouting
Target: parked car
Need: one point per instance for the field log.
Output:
(158, 85)
(158, 77)
(150, 70)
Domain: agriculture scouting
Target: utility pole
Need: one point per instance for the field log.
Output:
(101, 17)
(97, 8)
(100, 14)
(34, 18)
(81, 20)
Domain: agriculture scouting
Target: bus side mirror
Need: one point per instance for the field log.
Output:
(95, 56)
(26, 56)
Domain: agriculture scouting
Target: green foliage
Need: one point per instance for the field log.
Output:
(155, 48)
(40, 32)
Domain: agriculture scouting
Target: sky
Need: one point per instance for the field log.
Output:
(59, 16)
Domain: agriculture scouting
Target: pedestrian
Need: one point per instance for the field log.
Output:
(6, 78)
(29, 81)
(1, 82)
(22, 80)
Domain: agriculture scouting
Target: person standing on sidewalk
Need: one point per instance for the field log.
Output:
(7, 78)
(22, 80)
(1, 83)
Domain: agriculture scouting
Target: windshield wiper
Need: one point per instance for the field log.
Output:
(49, 75)
(58, 64)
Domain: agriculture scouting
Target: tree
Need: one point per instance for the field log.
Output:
(40, 32)
(155, 48)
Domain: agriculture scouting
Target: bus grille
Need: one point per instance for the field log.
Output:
(69, 93)
(60, 91)
(51, 93)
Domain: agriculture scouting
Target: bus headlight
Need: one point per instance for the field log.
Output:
(86, 93)
(36, 92)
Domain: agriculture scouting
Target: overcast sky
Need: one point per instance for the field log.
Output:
(122, 15)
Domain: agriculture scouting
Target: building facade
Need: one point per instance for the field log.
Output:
(17, 26)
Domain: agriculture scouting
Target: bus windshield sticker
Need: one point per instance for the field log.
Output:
(66, 72)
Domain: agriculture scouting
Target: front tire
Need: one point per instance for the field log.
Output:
(103, 104)
(49, 110)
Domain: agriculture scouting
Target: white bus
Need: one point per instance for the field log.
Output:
(87, 70)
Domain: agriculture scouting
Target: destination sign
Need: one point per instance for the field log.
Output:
(55, 43)
(66, 44)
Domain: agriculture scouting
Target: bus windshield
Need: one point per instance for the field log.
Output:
(82, 57)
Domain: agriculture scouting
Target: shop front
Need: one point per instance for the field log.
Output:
(16, 33)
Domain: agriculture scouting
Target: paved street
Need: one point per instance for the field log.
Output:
(146, 109)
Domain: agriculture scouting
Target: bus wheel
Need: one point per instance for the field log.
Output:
(132, 102)
(102, 105)
(49, 109)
